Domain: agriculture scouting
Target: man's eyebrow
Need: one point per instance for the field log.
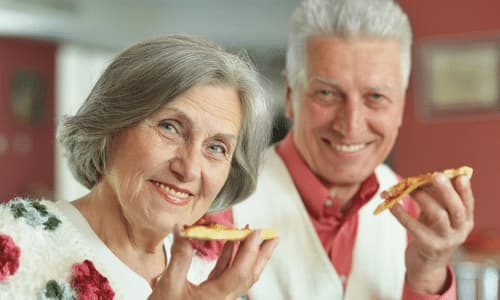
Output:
(380, 87)
(326, 81)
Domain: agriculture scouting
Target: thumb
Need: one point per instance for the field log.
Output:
(175, 276)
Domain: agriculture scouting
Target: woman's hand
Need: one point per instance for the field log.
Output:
(228, 280)
(445, 221)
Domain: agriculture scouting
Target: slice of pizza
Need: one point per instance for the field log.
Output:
(218, 232)
(397, 192)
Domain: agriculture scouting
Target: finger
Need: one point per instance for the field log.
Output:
(239, 277)
(266, 251)
(463, 187)
(417, 230)
(248, 251)
(224, 260)
(432, 214)
(428, 244)
(450, 200)
(175, 275)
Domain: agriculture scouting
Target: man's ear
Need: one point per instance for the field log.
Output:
(288, 98)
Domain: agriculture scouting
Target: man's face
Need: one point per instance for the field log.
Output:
(346, 119)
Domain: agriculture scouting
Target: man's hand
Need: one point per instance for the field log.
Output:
(228, 280)
(445, 221)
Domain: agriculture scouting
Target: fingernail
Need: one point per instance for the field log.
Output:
(464, 180)
(276, 242)
(440, 178)
(177, 230)
(259, 234)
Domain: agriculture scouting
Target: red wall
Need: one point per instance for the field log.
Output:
(27, 159)
(427, 144)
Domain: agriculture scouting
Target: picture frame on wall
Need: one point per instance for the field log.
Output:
(457, 76)
(26, 96)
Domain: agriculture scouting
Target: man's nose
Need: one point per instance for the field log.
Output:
(350, 119)
(186, 165)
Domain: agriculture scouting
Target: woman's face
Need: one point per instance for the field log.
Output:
(169, 168)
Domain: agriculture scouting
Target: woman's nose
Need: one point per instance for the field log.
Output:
(186, 165)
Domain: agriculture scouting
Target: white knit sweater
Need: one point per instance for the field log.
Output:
(49, 249)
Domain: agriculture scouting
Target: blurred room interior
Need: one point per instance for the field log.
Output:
(52, 51)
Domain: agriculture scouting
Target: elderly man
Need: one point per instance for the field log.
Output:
(347, 70)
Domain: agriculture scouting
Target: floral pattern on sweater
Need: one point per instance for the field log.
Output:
(41, 257)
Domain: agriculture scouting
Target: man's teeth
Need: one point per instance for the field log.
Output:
(349, 148)
(171, 191)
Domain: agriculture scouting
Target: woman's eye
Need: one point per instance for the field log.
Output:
(169, 127)
(218, 149)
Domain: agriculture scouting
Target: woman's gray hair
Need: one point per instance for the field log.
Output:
(346, 19)
(150, 74)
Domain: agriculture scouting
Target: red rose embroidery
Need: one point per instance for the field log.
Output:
(89, 283)
(9, 256)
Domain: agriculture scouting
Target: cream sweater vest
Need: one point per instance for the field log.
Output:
(299, 268)
(49, 255)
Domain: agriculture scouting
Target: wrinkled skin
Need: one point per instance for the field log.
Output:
(228, 280)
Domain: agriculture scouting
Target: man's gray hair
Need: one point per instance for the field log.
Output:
(150, 74)
(346, 19)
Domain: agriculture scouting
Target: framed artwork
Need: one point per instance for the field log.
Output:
(26, 97)
(457, 76)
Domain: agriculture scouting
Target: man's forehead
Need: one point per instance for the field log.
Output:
(334, 84)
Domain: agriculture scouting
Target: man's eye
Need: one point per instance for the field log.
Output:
(326, 96)
(325, 92)
(377, 96)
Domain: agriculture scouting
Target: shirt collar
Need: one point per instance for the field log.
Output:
(312, 190)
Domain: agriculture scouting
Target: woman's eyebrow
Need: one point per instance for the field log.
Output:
(185, 118)
(175, 111)
(230, 138)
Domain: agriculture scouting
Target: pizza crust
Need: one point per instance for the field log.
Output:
(397, 192)
(218, 232)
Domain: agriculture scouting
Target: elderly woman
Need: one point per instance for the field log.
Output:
(174, 127)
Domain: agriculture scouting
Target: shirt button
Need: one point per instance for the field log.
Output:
(342, 278)
(328, 202)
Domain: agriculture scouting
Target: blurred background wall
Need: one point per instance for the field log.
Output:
(52, 51)
(27, 97)
(436, 137)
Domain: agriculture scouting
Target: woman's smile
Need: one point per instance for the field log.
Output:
(173, 194)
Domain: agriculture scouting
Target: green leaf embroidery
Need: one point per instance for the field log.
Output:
(52, 223)
(53, 290)
(42, 209)
(57, 291)
(34, 213)
(18, 210)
